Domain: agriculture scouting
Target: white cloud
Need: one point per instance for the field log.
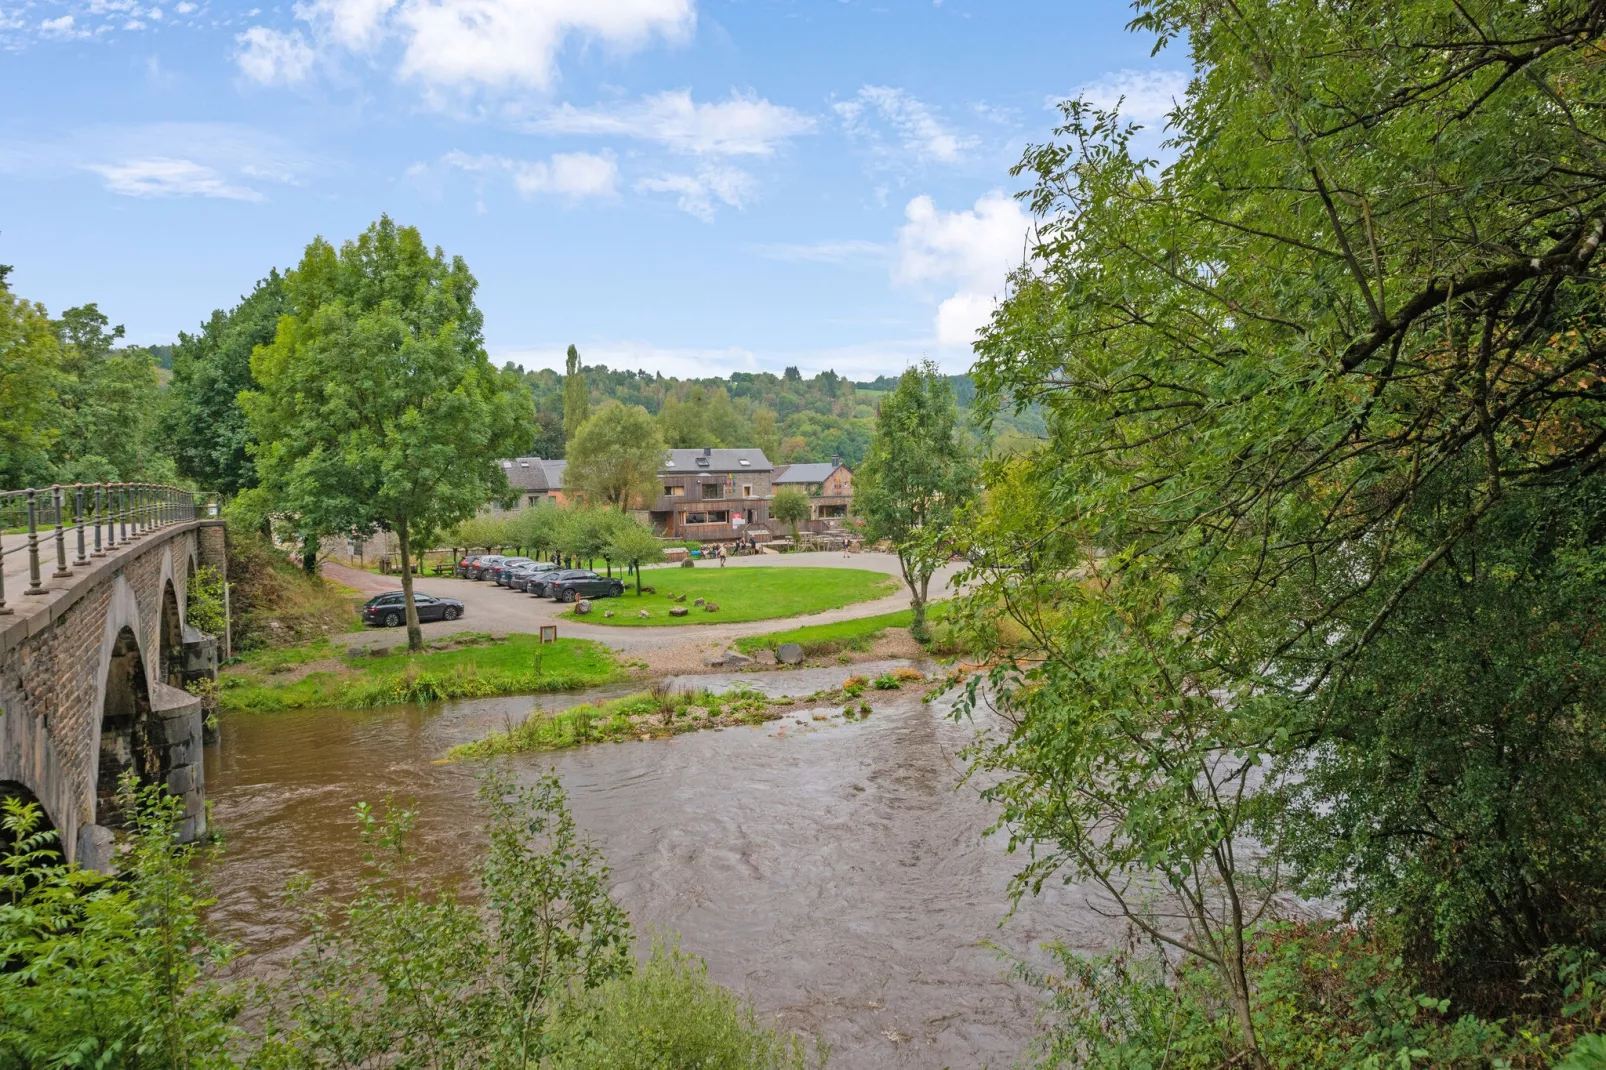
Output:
(971, 251)
(184, 7)
(1144, 96)
(568, 174)
(161, 176)
(698, 193)
(919, 132)
(744, 125)
(62, 27)
(825, 252)
(355, 24)
(274, 58)
(503, 43)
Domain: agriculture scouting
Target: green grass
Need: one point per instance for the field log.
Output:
(481, 668)
(820, 639)
(751, 593)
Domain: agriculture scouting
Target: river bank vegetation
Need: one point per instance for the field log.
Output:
(666, 711)
(464, 665)
(1309, 568)
(401, 970)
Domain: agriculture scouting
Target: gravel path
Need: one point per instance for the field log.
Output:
(667, 649)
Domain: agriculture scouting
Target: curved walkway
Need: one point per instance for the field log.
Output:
(491, 608)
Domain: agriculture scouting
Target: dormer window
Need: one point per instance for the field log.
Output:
(744, 462)
(669, 464)
(507, 464)
(702, 462)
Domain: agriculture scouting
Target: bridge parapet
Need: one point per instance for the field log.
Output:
(95, 648)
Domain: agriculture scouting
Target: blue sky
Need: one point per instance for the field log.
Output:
(687, 186)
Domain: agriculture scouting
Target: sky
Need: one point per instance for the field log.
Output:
(691, 187)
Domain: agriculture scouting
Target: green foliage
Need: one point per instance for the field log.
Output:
(614, 456)
(790, 506)
(459, 666)
(411, 972)
(1330, 997)
(668, 1015)
(633, 544)
(204, 425)
(377, 407)
(204, 596)
(115, 973)
(30, 375)
(918, 474)
(576, 399)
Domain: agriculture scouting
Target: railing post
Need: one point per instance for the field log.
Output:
(122, 511)
(62, 571)
(135, 515)
(78, 522)
(100, 521)
(34, 585)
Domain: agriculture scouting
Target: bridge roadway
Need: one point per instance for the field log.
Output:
(91, 675)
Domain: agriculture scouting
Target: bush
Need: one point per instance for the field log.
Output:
(204, 601)
(667, 1015)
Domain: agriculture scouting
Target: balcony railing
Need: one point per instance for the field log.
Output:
(96, 517)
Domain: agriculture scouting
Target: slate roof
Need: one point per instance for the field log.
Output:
(803, 473)
(718, 461)
(534, 473)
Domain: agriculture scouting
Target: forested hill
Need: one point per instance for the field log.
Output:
(791, 418)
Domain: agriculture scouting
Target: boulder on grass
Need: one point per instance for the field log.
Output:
(649, 590)
(789, 654)
(582, 607)
(682, 598)
(712, 607)
(727, 659)
(643, 614)
(698, 602)
(607, 613)
(678, 611)
(764, 656)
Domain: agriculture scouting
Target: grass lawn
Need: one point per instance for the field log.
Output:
(466, 665)
(857, 634)
(752, 593)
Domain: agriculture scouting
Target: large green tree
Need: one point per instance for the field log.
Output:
(918, 474)
(615, 456)
(30, 376)
(112, 404)
(204, 425)
(377, 407)
(791, 507)
(1317, 513)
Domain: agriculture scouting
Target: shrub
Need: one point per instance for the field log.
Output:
(204, 601)
(886, 682)
(667, 1015)
(854, 685)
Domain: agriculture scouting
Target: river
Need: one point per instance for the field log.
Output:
(829, 870)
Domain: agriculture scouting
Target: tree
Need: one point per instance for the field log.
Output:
(790, 506)
(377, 406)
(634, 545)
(614, 458)
(576, 400)
(30, 375)
(1325, 400)
(204, 426)
(917, 475)
(112, 404)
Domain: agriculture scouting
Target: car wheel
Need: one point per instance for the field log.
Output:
(568, 594)
(450, 614)
(618, 590)
(392, 619)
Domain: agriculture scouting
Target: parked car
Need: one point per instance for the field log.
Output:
(582, 583)
(500, 570)
(465, 565)
(481, 569)
(389, 611)
(518, 579)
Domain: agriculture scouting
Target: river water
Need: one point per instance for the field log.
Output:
(829, 870)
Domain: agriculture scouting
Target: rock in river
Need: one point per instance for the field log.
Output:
(789, 654)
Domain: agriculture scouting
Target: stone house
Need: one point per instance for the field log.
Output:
(537, 480)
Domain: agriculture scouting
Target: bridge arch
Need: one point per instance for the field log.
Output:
(170, 639)
(128, 735)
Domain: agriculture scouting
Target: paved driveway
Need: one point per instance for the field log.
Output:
(497, 609)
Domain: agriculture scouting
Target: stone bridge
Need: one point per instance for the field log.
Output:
(95, 648)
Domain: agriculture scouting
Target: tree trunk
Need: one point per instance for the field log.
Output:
(415, 636)
(309, 555)
(637, 566)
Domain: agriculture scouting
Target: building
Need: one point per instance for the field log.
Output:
(713, 495)
(537, 480)
(830, 491)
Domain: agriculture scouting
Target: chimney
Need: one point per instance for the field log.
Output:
(708, 451)
(836, 462)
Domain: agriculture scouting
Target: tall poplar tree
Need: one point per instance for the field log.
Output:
(377, 407)
(576, 401)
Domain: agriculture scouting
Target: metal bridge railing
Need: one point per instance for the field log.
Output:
(92, 518)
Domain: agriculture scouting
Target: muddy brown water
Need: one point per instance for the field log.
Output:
(831, 871)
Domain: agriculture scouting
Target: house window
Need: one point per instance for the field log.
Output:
(721, 517)
(747, 490)
(674, 492)
(833, 510)
(713, 491)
